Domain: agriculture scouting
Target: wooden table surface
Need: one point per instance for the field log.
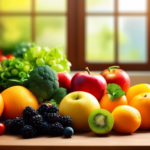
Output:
(80, 141)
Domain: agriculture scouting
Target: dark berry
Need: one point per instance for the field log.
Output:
(68, 132)
(44, 115)
(36, 121)
(43, 129)
(43, 108)
(16, 125)
(53, 109)
(53, 117)
(7, 124)
(66, 121)
(56, 129)
(28, 113)
(28, 131)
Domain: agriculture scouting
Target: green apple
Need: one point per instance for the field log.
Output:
(78, 105)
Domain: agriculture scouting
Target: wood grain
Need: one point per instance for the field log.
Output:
(80, 141)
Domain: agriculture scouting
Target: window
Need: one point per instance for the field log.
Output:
(46, 22)
(94, 33)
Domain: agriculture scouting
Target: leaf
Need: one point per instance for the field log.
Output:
(114, 91)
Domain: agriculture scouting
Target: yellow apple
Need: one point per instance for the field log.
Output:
(78, 105)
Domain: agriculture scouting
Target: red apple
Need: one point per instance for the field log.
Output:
(91, 83)
(118, 76)
(64, 79)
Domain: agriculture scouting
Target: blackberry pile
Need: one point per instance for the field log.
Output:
(43, 121)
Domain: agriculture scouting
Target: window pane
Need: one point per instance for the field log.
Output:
(99, 5)
(15, 5)
(14, 30)
(51, 31)
(51, 5)
(100, 39)
(132, 5)
(132, 39)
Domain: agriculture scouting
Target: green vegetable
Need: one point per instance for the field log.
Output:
(44, 56)
(13, 72)
(53, 102)
(59, 95)
(43, 82)
(114, 91)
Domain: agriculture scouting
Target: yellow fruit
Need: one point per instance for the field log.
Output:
(142, 103)
(126, 119)
(137, 89)
(78, 105)
(1, 105)
(16, 98)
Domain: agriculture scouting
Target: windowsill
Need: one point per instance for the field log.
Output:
(136, 77)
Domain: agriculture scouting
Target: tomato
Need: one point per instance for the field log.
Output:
(2, 128)
(10, 56)
(118, 76)
(137, 89)
(2, 57)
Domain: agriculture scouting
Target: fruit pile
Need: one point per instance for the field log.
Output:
(43, 121)
(87, 101)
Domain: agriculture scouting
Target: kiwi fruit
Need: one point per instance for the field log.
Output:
(101, 121)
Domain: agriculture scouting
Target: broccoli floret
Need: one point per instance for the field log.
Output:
(59, 95)
(43, 82)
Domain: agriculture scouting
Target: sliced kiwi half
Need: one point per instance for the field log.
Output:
(101, 121)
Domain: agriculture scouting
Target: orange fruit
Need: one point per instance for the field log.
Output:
(137, 89)
(16, 98)
(1, 105)
(142, 103)
(126, 119)
(109, 105)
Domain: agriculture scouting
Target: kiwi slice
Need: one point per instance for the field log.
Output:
(101, 121)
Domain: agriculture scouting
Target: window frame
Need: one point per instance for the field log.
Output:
(81, 63)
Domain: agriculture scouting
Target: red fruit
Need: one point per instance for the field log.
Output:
(2, 128)
(118, 76)
(2, 57)
(64, 79)
(10, 56)
(91, 83)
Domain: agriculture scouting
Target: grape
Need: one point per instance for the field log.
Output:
(58, 68)
(40, 61)
(14, 72)
(43, 55)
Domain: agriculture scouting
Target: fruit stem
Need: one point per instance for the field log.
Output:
(113, 67)
(145, 95)
(87, 69)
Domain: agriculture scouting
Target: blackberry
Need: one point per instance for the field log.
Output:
(53, 117)
(28, 132)
(36, 121)
(53, 109)
(28, 113)
(43, 108)
(66, 121)
(43, 129)
(44, 115)
(56, 129)
(16, 125)
(7, 124)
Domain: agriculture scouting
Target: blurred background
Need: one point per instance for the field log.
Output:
(115, 31)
